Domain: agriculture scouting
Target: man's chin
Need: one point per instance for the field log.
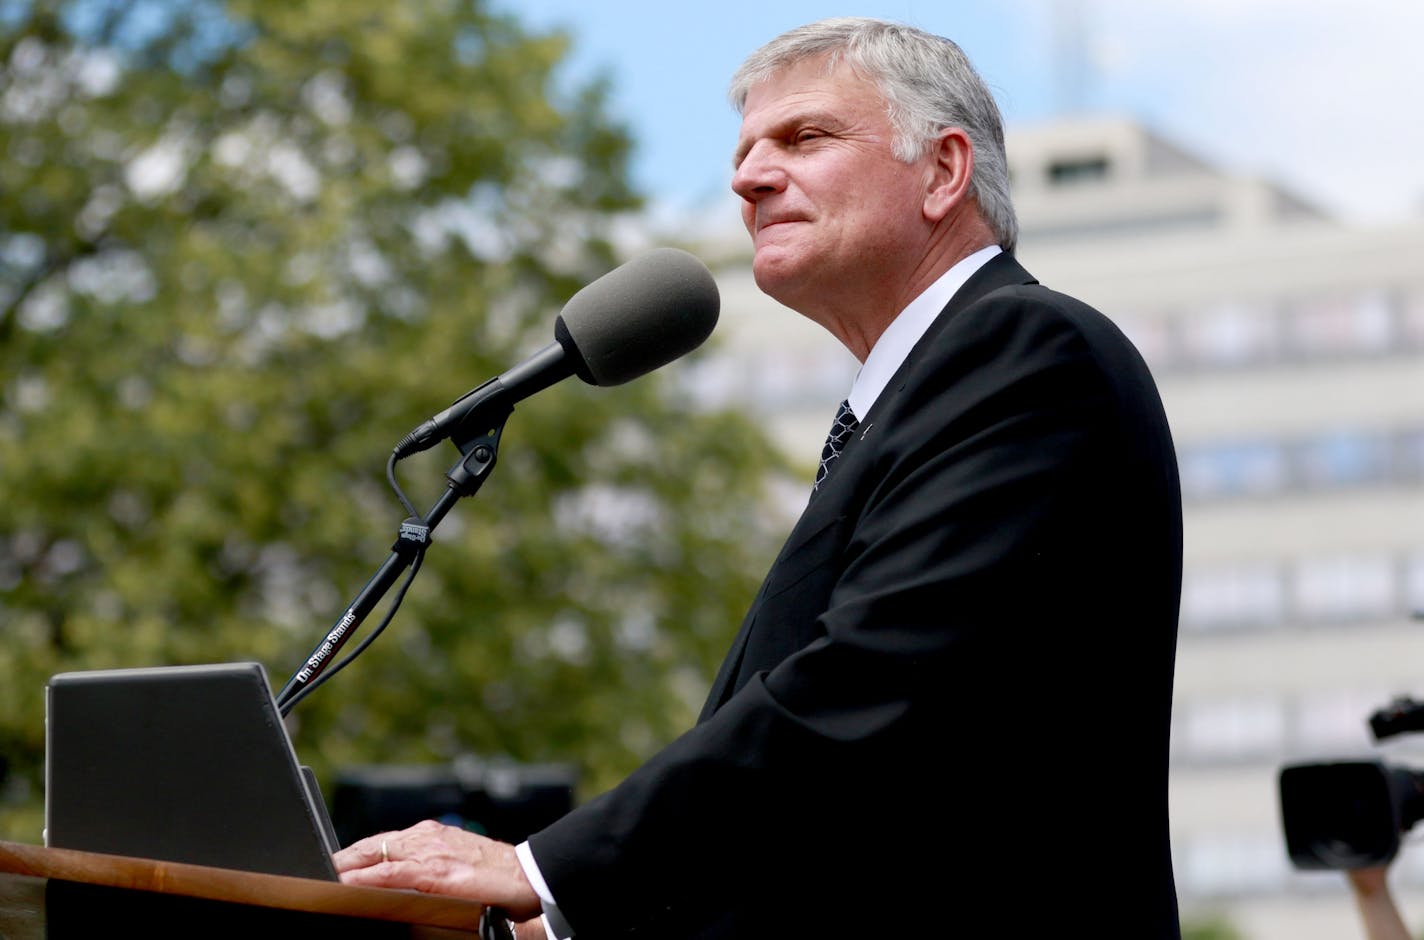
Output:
(775, 282)
(794, 293)
(778, 272)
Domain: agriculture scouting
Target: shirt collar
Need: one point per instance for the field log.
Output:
(894, 345)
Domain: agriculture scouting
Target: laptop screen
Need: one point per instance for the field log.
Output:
(181, 763)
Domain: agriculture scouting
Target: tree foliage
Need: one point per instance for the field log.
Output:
(244, 247)
(1211, 926)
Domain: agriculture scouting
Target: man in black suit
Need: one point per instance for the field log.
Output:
(947, 710)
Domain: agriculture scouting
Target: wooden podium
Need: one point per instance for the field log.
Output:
(57, 894)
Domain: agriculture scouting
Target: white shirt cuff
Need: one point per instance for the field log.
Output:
(555, 927)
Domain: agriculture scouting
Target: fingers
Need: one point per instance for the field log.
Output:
(419, 841)
(440, 859)
(372, 850)
(426, 857)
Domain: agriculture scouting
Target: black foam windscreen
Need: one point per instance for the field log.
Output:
(640, 316)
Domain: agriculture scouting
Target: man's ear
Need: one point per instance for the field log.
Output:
(951, 167)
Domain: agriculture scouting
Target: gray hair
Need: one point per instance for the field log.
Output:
(928, 85)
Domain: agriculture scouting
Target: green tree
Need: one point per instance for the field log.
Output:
(1209, 927)
(244, 247)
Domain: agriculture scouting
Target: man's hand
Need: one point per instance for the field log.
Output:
(440, 859)
(1381, 918)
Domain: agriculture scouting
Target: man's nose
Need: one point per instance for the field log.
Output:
(759, 174)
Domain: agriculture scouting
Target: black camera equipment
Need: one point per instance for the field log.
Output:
(1351, 813)
(500, 799)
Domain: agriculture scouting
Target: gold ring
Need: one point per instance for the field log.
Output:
(385, 852)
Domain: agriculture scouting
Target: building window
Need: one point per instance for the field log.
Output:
(1414, 585)
(1079, 170)
(1242, 468)
(1345, 587)
(1260, 467)
(1229, 863)
(1233, 596)
(1229, 729)
(1411, 320)
(1235, 333)
(1230, 334)
(1328, 589)
(1336, 721)
(1360, 323)
(1409, 456)
(1343, 458)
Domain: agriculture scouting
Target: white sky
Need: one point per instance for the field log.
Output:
(1323, 96)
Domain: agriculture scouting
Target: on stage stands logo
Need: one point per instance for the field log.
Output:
(329, 644)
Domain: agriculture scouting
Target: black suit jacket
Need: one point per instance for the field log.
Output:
(947, 709)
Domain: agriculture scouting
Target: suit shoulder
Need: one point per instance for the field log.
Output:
(1021, 317)
(1026, 349)
(1047, 308)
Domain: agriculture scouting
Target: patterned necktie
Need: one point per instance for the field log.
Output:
(841, 430)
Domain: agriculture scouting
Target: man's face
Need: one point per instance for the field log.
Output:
(832, 214)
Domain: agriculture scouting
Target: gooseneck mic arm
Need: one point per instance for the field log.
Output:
(477, 459)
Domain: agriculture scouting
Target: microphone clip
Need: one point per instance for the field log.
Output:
(414, 538)
(478, 455)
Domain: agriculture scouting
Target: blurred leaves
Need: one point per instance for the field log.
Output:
(244, 247)
(1209, 926)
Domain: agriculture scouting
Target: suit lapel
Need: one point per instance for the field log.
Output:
(830, 503)
(998, 272)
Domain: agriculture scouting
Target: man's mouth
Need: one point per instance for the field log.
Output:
(775, 222)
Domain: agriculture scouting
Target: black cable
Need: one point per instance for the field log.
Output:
(292, 701)
(410, 509)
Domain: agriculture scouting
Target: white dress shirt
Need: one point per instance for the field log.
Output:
(894, 345)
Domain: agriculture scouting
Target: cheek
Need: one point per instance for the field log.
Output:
(890, 202)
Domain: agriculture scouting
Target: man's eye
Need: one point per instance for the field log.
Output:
(804, 136)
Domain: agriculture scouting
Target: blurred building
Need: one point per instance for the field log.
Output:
(1289, 349)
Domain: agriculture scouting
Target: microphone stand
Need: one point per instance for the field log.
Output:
(478, 453)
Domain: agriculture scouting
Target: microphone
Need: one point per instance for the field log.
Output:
(634, 319)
